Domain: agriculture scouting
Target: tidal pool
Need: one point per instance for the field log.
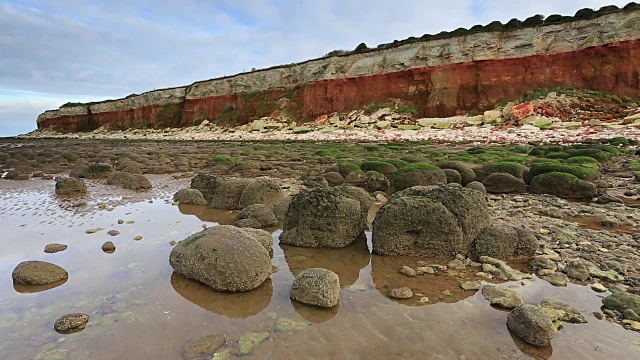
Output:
(139, 309)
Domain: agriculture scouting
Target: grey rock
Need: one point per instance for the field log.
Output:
(261, 213)
(476, 185)
(264, 191)
(38, 273)
(500, 297)
(575, 269)
(71, 323)
(189, 196)
(503, 183)
(568, 313)
(206, 183)
(316, 286)
(505, 241)
(228, 193)
(333, 178)
(54, 248)
(401, 293)
(467, 174)
(108, 247)
(453, 176)
(223, 257)
(129, 181)
(203, 347)
(70, 186)
(621, 301)
(403, 179)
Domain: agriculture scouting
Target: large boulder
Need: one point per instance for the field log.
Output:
(466, 172)
(189, 196)
(453, 176)
(38, 273)
(70, 186)
(224, 257)
(228, 193)
(417, 174)
(264, 191)
(129, 181)
(532, 324)
(504, 167)
(563, 185)
(503, 183)
(430, 220)
(376, 181)
(92, 171)
(325, 217)
(206, 183)
(256, 216)
(318, 287)
(502, 241)
(333, 178)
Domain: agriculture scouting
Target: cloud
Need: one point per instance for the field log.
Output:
(108, 49)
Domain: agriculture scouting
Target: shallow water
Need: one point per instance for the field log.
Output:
(139, 309)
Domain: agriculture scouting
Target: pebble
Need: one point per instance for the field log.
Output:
(401, 293)
(598, 287)
(407, 271)
(113, 232)
(108, 247)
(137, 238)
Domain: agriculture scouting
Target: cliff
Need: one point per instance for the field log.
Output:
(441, 77)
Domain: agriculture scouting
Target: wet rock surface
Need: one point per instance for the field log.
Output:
(531, 324)
(38, 273)
(71, 323)
(318, 287)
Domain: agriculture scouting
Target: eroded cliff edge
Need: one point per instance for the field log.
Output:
(439, 77)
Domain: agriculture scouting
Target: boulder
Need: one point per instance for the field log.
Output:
(54, 248)
(333, 178)
(189, 196)
(264, 191)
(430, 220)
(521, 111)
(206, 183)
(563, 185)
(228, 193)
(108, 247)
(621, 301)
(316, 286)
(506, 167)
(501, 297)
(476, 185)
(261, 213)
(326, 217)
(129, 181)
(576, 269)
(280, 207)
(503, 183)
(224, 257)
(453, 176)
(376, 182)
(466, 172)
(531, 324)
(92, 171)
(38, 273)
(566, 312)
(70, 186)
(504, 241)
(417, 174)
(356, 178)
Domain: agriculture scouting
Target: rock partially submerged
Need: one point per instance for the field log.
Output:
(318, 287)
(38, 273)
(224, 257)
(70, 186)
(71, 323)
(532, 324)
(189, 196)
(501, 297)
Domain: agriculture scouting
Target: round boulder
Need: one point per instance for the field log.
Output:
(532, 324)
(262, 214)
(477, 185)
(333, 178)
(206, 183)
(430, 220)
(563, 185)
(38, 273)
(504, 241)
(129, 181)
(224, 257)
(261, 191)
(70, 186)
(453, 176)
(316, 286)
(228, 193)
(189, 196)
(325, 217)
(466, 172)
(376, 181)
(503, 183)
(93, 171)
(417, 174)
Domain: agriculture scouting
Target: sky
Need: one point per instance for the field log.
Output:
(53, 52)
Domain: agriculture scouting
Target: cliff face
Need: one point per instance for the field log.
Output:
(440, 78)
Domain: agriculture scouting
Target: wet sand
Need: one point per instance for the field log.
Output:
(139, 309)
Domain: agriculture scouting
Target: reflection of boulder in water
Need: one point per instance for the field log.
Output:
(385, 272)
(346, 262)
(233, 305)
(534, 352)
(315, 314)
(37, 288)
(206, 213)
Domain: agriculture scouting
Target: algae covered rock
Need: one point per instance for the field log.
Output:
(417, 174)
(503, 183)
(70, 186)
(430, 220)
(224, 257)
(189, 196)
(532, 324)
(504, 241)
(263, 191)
(71, 323)
(38, 273)
(256, 216)
(467, 174)
(326, 217)
(563, 185)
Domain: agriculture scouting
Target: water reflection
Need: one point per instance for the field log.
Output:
(25, 289)
(315, 314)
(206, 213)
(233, 305)
(441, 287)
(346, 262)
(535, 352)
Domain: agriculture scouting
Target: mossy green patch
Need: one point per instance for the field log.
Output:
(379, 166)
(581, 172)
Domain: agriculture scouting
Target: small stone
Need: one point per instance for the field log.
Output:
(289, 325)
(130, 221)
(108, 247)
(113, 232)
(424, 300)
(250, 341)
(422, 270)
(137, 238)
(598, 315)
(401, 293)
(447, 292)
(93, 231)
(566, 312)
(172, 242)
(410, 272)
(471, 285)
(71, 323)
(120, 221)
(598, 287)
(556, 279)
(531, 324)
(54, 248)
(632, 325)
(204, 346)
(456, 265)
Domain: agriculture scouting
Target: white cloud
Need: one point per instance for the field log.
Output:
(107, 49)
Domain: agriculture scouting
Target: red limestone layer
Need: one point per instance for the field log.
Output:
(439, 77)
